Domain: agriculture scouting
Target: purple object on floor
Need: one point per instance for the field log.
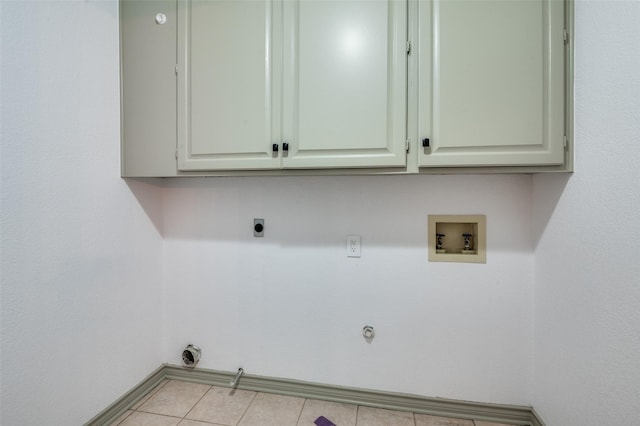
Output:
(323, 421)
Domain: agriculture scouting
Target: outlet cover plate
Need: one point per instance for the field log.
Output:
(353, 246)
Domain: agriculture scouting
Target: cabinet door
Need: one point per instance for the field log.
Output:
(491, 82)
(345, 83)
(229, 59)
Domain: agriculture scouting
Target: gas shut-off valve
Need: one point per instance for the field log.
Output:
(368, 332)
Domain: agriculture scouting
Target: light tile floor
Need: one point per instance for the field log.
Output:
(175, 402)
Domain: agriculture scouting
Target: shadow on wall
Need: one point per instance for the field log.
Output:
(547, 191)
(148, 192)
(314, 211)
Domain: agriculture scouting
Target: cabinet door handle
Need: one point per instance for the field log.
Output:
(285, 146)
(425, 142)
(275, 147)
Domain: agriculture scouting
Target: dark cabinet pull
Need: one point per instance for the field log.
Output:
(285, 146)
(275, 147)
(425, 142)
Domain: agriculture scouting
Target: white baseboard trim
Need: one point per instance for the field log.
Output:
(497, 413)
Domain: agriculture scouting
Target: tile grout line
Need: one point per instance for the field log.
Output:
(147, 398)
(301, 410)
(155, 414)
(247, 409)
(300, 415)
(194, 405)
(150, 395)
(155, 392)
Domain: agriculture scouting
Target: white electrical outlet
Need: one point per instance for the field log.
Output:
(353, 246)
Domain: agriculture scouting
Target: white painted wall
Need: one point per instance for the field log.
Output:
(587, 228)
(293, 305)
(81, 250)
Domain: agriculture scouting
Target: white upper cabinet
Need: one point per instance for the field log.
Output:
(229, 70)
(291, 84)
(265, 87)
(491, 83)
(345, 83)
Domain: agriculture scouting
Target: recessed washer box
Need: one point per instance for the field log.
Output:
(458, 238)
